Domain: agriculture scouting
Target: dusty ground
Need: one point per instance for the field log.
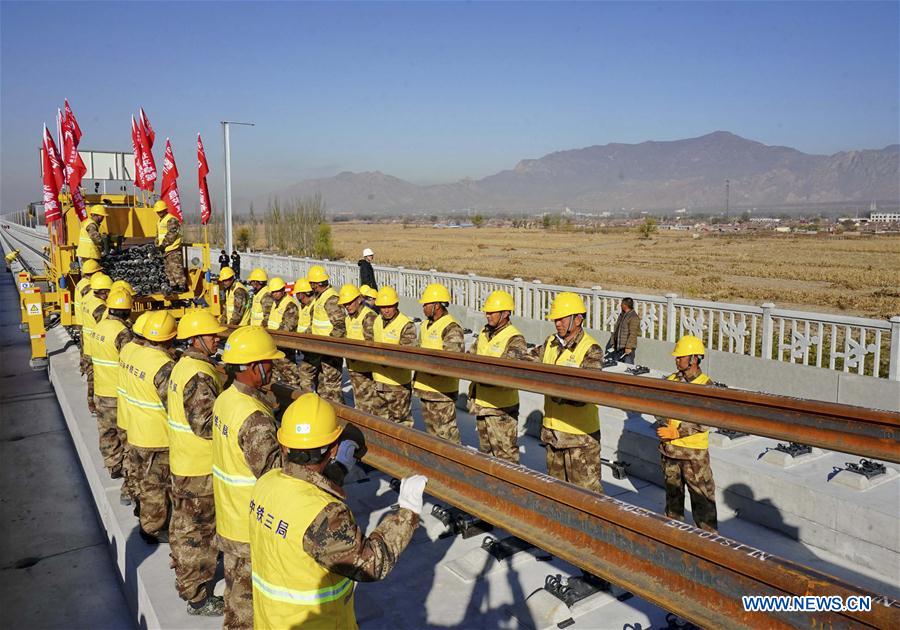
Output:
(850, 275)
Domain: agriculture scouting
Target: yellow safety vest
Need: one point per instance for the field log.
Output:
(79, 298)
(277, 312)
(256, 309)
(233, 480)
(146, 412)
(125, 356)
(577, 419)
(105, 357)
(162, 228)
(697, 440)
(189, 454)
(321, 325)
(305, 320)
(489, 396)
(390, 334)
(229, 304)
(86, 247)
(355, 331)
(88, 305)
(291, 589)
(432, 338)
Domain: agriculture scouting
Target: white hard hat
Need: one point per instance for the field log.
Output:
(368, 252)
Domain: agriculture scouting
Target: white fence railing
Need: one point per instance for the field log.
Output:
(850, 344)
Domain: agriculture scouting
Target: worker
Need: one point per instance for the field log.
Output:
(244, 449)
(496, 409)
(306, 547)
(147, 371)
(324, 371)
(224, 261)
(83, 286)
(369, 294)
(305, 297)
(110, 336)
(168, 240)
(193, 388)
(366, 272)
(393, 385)
(258, 279)
(236, 299)
(130, 490)
(236, 262)
(93, 308)
(90, 242)
(360, 326)
(623, 341)
(437, 393)
(283, 313)
(684, 446)
(571, 429)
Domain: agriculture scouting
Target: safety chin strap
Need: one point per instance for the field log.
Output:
(204, 346)
(262, 373)
(562, 339)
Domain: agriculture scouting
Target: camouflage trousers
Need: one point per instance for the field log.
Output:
(131, 476)
(574, 458)
(395, 403)
(192, 535)
(89, 372)
(238, 592)
(326, 373)
(110, 444)
(498, 433)
(153, 487)
(439, 414)
(696, 474)
(287, 372)
(173, 263)
(365, 396)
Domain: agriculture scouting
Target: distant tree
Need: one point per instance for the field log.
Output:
(253, 230)
(745, 217)
(478, 220)
(647, 228)
(324, 247)
(243, 239)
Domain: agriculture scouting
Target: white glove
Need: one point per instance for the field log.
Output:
(346, 453)
(411, 491)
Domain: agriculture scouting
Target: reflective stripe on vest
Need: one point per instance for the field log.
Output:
(390, 334)
(291, 589)
(304, 321)
(146, 413)
(86, 247)
(162, 229)
(432, 338)
(697, 440)
(490, 396)
(356, 330)
(232, 478)
(189, 454)
(321, 324)
(276, 315)
(105, 357)
(88, 305)
(79, 292)
(125, 355)
(229, 304)
(577, 419)
(256, 309)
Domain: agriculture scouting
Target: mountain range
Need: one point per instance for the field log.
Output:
(688, 173)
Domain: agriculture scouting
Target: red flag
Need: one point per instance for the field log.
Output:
(52, 211)
(75, 168)
(56, 165)
(147, 129)
(138, 159)
(169, 191)
(70, 120)
(202, 172)
(148, 164)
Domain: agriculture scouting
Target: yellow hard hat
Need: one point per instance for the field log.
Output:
(347, 294)
(368, 291)
(11, 256)
(160, 326)
(160, 206)
(123, 286)
(565, 304)
(248, 344)
(196, 322)
(499, 301)
(258, 275)
(140, 322)
(309, 422)
(100, 281)
(317, 273)
(276, 284)
(435, 293)
(99, 209)
(387, 296)
(226, 274)
(119, 299)
(688, 345)
(302, 286)
(89, 266)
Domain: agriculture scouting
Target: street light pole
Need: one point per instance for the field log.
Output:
(226, 136)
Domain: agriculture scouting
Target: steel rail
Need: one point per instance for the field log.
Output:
(699, 575)
(835, 427)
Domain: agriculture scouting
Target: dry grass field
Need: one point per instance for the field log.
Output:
(849, 275)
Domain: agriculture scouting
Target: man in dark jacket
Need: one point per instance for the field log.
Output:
(223, 260)
(625, 334)
(366, 273)
(236, 262)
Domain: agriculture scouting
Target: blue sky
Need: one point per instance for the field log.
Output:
(432, 92)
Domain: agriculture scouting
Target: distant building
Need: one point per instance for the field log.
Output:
(884, 217)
